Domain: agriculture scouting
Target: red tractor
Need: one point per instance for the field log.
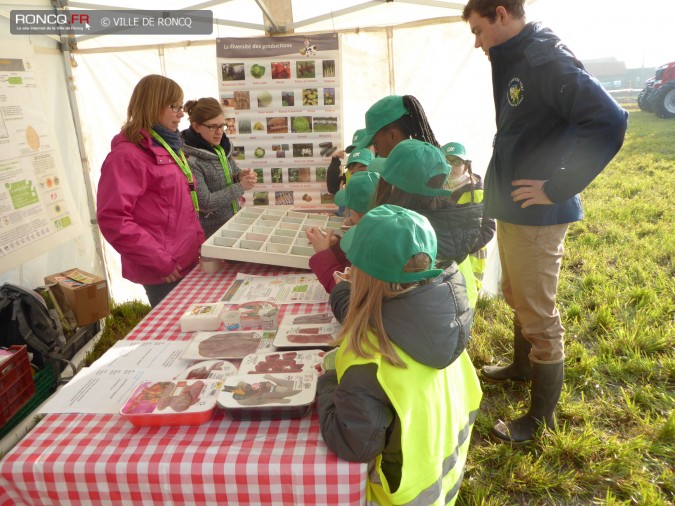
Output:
(658, 95)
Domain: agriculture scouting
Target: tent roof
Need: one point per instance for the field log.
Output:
(250, 18)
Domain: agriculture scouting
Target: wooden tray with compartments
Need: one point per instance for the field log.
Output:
(268, 235)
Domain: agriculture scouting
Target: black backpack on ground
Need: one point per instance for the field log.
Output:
(25, 319)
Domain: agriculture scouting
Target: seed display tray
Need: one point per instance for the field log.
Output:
(268, 235)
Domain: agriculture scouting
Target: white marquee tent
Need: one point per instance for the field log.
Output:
(416, 47)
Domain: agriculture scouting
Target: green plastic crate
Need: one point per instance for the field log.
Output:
(45, 384)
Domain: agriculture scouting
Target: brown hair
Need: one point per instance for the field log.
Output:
(202, 110)
(488, 8)
(150, 97)
(386, 193)
(365, 310)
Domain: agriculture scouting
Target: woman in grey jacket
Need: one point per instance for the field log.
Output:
(219, 182)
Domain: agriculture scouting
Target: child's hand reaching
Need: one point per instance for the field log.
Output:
(343, 276)
(320, 239)
(328, 362)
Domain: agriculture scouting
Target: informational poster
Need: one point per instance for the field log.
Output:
(37, 212)
(283, 111)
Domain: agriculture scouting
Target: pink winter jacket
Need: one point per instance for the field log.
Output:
(145, 211)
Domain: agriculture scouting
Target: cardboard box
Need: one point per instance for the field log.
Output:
(85, 294)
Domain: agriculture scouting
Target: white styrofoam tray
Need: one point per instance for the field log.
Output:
(268, 235)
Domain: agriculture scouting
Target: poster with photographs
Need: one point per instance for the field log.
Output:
(282, 102)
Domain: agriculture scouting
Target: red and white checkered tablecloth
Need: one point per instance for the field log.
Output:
(102, 459)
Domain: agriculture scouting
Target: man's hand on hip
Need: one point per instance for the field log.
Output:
(530, 191)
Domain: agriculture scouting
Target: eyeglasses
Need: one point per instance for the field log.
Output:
(214, 127)
(456, 162)
(176, 108)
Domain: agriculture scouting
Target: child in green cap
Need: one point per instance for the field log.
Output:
(413, 176)
(404, 393)
(467, 188)
(358, 161)
(328, 258)
(335, 176)
(392, 119)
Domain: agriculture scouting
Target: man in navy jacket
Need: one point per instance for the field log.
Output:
(557, 129)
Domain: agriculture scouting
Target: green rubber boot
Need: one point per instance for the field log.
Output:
(519, 370)
(547, 382)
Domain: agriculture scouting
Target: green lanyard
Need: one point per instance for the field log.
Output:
(184, 167)
(226, 169)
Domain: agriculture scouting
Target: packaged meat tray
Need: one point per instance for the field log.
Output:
(308, 319)
(209, 369)
(202, 316)
(225, 345)
(249, 312)
(268, 396)
(282, 362)
(306, 336)
(179, 402)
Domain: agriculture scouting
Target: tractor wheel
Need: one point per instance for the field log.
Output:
(664, 102)
(641, 102)
(646, 100)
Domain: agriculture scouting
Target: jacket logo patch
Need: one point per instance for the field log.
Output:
(516, 92)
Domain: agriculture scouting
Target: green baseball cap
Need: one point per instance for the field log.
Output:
(358, 192)
(385, 239)
(363, 155)
(377, 164)
(355, 139)
(411, 164)
(381, 113)
(455, 149)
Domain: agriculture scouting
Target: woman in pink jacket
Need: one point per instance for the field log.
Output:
(147, 207)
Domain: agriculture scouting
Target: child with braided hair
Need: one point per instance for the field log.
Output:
(393, 119)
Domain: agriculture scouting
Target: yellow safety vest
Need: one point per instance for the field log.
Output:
(469, 280)
(437, 409)
(477, 260)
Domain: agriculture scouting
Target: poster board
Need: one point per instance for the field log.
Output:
(37, 212)
(283, 110)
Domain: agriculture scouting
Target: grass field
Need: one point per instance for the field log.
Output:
(616, 441)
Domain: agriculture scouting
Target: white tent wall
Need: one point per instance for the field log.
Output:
(48, 67)
(438, 65)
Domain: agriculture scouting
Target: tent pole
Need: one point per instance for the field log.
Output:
(390, 60)
(279, 14)
(68, 62)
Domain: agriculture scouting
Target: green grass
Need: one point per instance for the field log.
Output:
(122, 319)
(616, 441)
